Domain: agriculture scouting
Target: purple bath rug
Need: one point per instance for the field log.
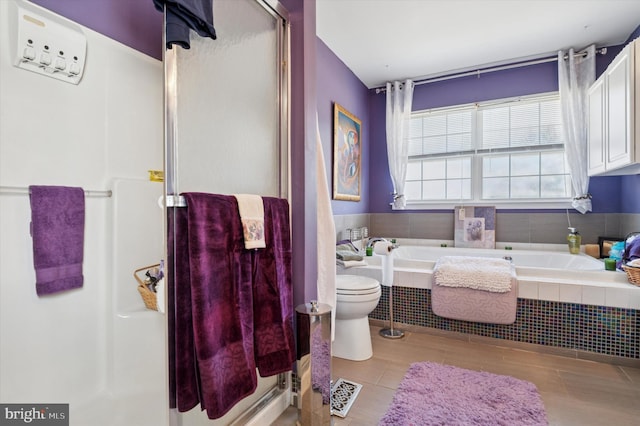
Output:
(437, 394)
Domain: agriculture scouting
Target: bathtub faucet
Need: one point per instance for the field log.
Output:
(374, 240)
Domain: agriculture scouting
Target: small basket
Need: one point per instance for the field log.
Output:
(149, 297)
(633, 274)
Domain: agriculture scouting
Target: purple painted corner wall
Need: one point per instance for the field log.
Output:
(337, 83)
(607, 191)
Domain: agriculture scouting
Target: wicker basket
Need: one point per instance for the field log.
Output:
(633, 274)
(148, 296)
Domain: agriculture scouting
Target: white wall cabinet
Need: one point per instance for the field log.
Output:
(614, 116)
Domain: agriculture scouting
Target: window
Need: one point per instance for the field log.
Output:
(502, 151)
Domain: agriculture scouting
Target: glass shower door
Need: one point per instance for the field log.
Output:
(227, 125)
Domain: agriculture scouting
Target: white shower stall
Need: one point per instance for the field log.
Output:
(98, 348)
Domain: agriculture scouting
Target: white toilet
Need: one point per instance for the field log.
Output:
(357, 297)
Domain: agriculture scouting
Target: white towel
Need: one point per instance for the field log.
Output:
(479, 273)
(326, 236)
(351, 263)
(251, 211)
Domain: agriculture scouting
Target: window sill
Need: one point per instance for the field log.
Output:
(504, 205)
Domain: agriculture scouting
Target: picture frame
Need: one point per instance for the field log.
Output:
(347, 154)
(605, 243)
(475, 226)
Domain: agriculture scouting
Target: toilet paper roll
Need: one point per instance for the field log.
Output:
(387, 271)
(383, 248)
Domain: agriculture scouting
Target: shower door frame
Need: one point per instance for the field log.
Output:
(278, 397)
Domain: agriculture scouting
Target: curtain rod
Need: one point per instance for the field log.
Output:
(21, 190)
(479, 71)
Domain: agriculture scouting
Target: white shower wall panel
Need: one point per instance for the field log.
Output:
(60, 348)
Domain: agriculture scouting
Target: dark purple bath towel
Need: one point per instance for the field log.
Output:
(233, 307)
(183, 379)
(57, 229)
(220, 282)
(272, 292)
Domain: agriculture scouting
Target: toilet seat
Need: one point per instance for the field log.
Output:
(356, 285)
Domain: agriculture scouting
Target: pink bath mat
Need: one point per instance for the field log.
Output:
(437, 394)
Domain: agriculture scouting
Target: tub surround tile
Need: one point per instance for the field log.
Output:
(436, 226)
(629, 222)
(618, 297)
(391, 225)
(527, 290)
(543, 228)
(353, 221)
(513, 227)
(611, 331)
(549, 291)
(634, 299)
(593, 296)
(570, 293)
(406, 279)
(549, 228)
(590, 226)
(612, 225)
(620, 294)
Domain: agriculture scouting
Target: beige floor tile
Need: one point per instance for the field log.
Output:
(369, 371)
(632, 373)
(371, 404)
(575, 392)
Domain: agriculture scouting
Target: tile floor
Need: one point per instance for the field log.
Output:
(574, 391)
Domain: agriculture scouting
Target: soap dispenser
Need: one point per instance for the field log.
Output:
(574, 239)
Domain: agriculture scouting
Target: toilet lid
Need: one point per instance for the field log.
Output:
(350, 284)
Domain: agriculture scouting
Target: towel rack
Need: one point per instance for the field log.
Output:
(174, 201)
(25, 191)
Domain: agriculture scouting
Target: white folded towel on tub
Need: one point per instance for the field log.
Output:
(479, 273)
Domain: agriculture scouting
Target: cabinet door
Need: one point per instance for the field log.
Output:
(619, 129)
(597, 127)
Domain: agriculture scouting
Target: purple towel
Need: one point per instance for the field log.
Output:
(272, 292)
(183, 380)
(57, 230)
(221, 294)
(632, 249)
(214, 295)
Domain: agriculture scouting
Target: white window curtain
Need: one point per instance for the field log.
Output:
(399, 100)
(575, 74)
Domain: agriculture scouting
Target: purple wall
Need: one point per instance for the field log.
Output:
(629, 193)
(303, 102)
(135, 23)
(337, 83)
(502, 84)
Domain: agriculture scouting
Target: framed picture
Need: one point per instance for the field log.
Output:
(606, 243)
(475, 226)
(347, 154)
